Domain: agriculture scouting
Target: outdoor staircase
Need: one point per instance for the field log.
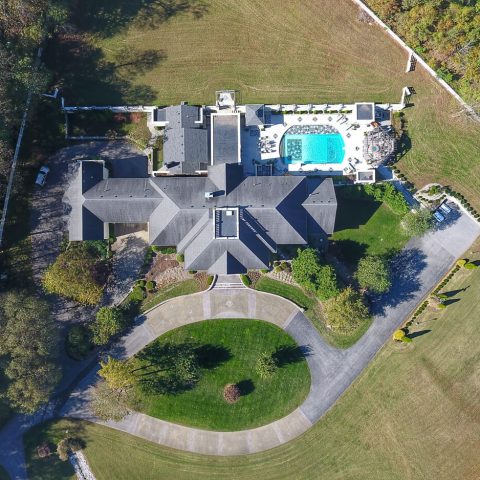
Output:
(228, 282)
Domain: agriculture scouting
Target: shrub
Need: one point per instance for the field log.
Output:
(470, 266)
(78, 342)
(441, 305)
(180, 258)
(314, 276)
(245, 279)
(373, 273)
(210, 280)
(164, 250)
(399, 335)
(264, 270)
(192, 272)
(150, 286)
(137, 294)
(346, 311)
(417, 222)
(108, 323)
(266, 365)
(76, 274)
(277, 268)
(231, 393)
(141, 283)
(44, 450)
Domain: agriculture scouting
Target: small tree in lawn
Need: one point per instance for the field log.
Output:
(373, 273)
(401, 336)
(117, 374)
(108, 323)
(266, 365)
(417, 222)
(346, 311)
(231, 393)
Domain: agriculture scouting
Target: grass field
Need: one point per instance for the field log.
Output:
(225, 359)
(272, 52)
(171, 291)
(414, 413)
(365, 227)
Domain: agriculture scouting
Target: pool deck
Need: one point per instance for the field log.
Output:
(353, 140)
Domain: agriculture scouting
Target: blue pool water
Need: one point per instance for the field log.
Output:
(313, 148)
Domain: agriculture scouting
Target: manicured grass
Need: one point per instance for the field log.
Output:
(413, 413)
(293, 293)
(176, 290)
(365, 227)
(230, 349)
(313, 311)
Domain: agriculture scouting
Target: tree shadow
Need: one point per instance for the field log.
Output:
(452, 293)
(418, 334)
(450, 301)
(107, 17)
(404, 144)
(348, 251)
(288, 354)
(211, 356)
(406, 267)
(87, 77)
(246, 387)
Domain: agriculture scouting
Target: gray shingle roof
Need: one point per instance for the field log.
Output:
(273, 211)
(254, 114)
(225, 143)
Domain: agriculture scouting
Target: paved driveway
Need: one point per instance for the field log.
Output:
(419, 267)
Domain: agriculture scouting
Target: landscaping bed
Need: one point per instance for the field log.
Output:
(313, 311)
(223, 359)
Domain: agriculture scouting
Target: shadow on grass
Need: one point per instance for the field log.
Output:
(288, 354)
(354, 212)
(108, 17)
(418, 334)
(87, 77)
(246, 387)
(211, 356)
(348, 251)
(450, 301)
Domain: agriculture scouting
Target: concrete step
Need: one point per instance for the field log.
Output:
(225, 285)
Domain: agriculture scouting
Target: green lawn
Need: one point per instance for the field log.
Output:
(176, 290)
(225, 358)
(365, 227)
(313, 311)
(414, 413)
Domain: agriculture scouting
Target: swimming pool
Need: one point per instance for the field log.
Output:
(313, 148)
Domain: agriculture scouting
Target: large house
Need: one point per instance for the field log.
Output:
(237, 182)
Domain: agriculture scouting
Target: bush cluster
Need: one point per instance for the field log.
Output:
(245, 279)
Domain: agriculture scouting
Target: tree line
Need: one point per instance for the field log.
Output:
(445, 33)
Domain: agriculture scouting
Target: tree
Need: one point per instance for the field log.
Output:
(76, 274)
(108, 323)
(401, 336)
(373, 273)
(346, 311)
(309, 272)
(29, 347)
(108, 404)
(266, 365)
(417, 222)
(118, 374)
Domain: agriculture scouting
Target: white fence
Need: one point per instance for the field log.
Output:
(419, 59)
